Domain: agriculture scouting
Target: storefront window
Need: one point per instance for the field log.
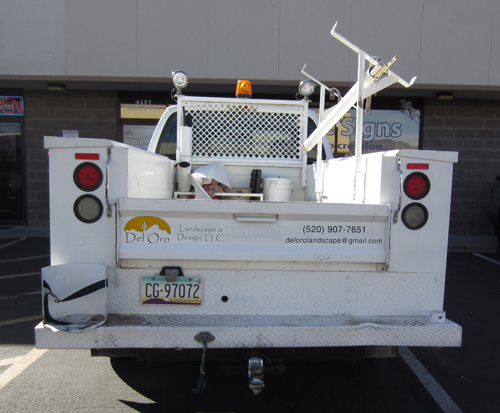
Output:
(11, 172)
(139, 114)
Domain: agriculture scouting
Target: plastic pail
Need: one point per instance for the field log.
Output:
(277, 189)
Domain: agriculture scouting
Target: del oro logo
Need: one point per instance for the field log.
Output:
(152, 230)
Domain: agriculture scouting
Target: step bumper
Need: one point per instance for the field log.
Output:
(244, 331)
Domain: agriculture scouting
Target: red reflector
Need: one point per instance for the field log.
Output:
(94, 156)
(417, 166)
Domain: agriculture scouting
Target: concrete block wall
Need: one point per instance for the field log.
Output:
(93, 113)
(471, 127)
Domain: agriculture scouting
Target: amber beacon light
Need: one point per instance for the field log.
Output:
(244, 89)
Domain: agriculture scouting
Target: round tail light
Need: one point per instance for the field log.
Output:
(415, 215)
(87, 176)
(417, 185)
(88, 208)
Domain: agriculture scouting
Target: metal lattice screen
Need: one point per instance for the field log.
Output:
(232, 130)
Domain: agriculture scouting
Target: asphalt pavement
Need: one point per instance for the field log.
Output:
(470, 373)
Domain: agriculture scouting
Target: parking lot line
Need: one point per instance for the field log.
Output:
(20, 320)
(13, 242)
(10, 297)
(484, 257)
(28, 274)
(442, 398)
(25, 258)
(9, 361)
(21, 363)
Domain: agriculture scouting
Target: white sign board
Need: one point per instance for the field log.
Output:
(70, 134)
(138, 135)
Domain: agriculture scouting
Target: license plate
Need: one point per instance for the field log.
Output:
(185, 290)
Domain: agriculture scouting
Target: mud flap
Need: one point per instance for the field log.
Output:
(74, 297)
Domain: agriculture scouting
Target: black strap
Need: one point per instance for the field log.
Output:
(80, 293)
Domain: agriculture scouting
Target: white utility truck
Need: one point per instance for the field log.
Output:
(234, 244)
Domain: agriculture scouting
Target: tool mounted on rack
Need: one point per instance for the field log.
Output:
(370, 81)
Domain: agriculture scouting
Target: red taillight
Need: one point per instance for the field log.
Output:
(417, 185)
(87, 176)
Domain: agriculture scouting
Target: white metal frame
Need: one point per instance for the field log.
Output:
(371, 81)
(184, 139)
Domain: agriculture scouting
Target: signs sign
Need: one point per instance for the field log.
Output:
(382, 130)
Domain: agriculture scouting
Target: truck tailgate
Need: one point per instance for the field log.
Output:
(252, 231)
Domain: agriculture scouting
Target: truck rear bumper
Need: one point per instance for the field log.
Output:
(244, 331)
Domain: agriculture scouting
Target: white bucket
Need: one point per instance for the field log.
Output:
(277, 189)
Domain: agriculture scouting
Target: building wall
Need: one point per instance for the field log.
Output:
(92, 113)
(471, 127)
(441, 42)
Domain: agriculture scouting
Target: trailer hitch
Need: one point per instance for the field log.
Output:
(256, 375)
(203, 338)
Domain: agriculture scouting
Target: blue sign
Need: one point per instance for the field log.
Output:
(382, 130)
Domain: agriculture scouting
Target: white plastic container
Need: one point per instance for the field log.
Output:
(277, 189)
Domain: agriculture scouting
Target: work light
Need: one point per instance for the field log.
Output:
(180, 80)
(306, 88)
